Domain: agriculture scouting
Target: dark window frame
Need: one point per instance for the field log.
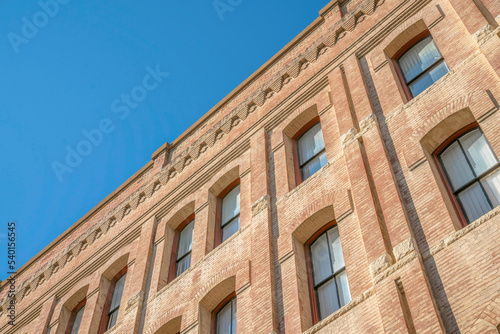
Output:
(402, 51)
(103, 327)
(313, 288)
(297, 165)
(175, 247)
(453, 194)
(219, 307)
(177, 259)
(218, 219)
(72, 318)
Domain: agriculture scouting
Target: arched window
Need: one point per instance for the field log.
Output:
(113, 301)
(225, 317)
(311, 150)
(421, 65)
(184, 247)
(330, 289)
(76, 318)
(229, 216)
(473, 173)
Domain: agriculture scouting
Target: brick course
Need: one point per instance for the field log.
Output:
(412, 267)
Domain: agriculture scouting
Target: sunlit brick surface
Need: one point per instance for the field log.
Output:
(412, 266)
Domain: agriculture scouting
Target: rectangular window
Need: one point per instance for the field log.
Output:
(328, 273)
(184, 247)
(230, 213)
(115, 301)
(311, 151)
(473, 172)
(422, 65)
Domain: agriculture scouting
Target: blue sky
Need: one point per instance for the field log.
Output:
(60, 78)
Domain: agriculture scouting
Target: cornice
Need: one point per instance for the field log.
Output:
(84, 269)
(200, 177)
(140, 173)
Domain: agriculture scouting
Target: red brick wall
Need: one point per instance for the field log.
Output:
(412, 267)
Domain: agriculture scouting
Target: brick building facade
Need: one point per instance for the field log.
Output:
(413, 249)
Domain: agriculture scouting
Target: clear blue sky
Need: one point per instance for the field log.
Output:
(61, 78)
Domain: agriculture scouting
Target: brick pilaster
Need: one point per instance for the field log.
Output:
(264, 311)
(371, 221)
(135, 286)
(92, 314)
(383, 178)
(45, 315)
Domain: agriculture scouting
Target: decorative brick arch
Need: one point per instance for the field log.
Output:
(456, 115)
(168, 323)
(116, 263)
(331, 206)
(478, 104)
(179, 213)
(284, 132)
(229, 279)
(303, 115)
(488, 321)
(312, 218)
(404, 33)
(443, 124)
(227, 175)
(302, 225)
(166, 230)
(76, 294)
(225, 178)
(68, 302)
(420, 22)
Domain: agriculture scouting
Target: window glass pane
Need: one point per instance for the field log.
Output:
(456, 166)
(343, 288)
(183, 265)
(117, 293)
(231, 205)
(322, 267)
(77, 321)
(230, 229)
(474, 202)
(429, 78)
(313, 166)
(492, 186)
(327, 298)
(310, 143)
(478, 151)
(185, 240)
(112, 319)
(233, 325)
(224, 320)
(419, 58)
(336, 249)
